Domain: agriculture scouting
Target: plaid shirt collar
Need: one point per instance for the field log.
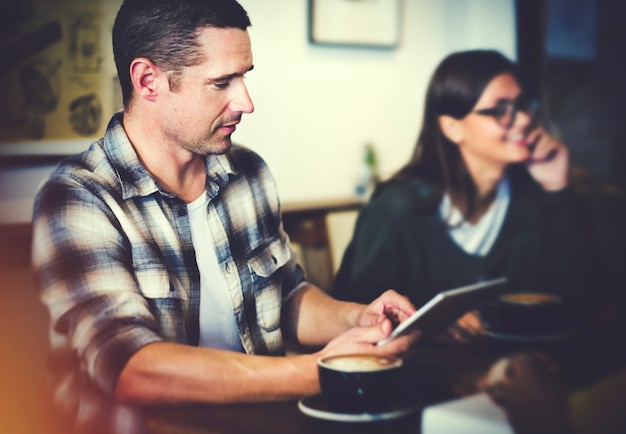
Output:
(135, 180)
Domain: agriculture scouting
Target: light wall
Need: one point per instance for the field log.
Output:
(317, 106)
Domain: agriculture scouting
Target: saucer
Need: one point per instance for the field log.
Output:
(317, 407)
(510, 337)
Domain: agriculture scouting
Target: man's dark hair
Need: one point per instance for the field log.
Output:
(166, 32)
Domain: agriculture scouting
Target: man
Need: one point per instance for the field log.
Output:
(160, 251)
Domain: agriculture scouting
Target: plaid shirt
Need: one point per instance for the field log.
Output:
(116, 267)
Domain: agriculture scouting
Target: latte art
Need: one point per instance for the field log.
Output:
(360, 363)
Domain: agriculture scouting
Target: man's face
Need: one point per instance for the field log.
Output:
(202, 113)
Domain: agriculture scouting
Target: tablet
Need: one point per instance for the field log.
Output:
(446, 307)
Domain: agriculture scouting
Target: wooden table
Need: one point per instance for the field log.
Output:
(434, 373)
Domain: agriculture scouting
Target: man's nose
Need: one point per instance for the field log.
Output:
(242, 101)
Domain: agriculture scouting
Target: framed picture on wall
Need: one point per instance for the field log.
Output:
(364, 23)
(57, 94)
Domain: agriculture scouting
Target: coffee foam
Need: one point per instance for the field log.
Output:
(360, 363)
(529, 298)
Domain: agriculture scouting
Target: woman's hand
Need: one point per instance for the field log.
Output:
(465, 330)
(549, 161)
(530, 389)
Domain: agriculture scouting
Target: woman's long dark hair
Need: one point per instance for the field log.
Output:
(455, 87)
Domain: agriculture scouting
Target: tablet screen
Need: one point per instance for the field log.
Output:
(446, 307)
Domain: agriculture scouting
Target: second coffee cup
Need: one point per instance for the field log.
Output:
(531, 313)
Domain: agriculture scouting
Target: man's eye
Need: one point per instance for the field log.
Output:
(221, 84)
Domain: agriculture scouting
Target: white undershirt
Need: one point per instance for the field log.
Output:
(478, 238)
(218, 327)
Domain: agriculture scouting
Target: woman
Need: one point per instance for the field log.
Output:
(484, 195)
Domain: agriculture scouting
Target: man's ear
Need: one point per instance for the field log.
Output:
(451, 128)
(143, 74)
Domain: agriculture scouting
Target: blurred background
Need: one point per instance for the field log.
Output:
(317, 105)
(324, 88)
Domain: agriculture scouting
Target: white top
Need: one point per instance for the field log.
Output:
(218, 326)
(478, 238)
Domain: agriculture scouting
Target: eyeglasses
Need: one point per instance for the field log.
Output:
(505, 110)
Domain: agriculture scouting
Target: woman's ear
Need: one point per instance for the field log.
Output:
(451, 128)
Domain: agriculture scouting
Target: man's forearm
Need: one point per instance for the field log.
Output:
(313, 318)
(167, 373)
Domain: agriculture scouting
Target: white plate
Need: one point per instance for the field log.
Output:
(317, 407)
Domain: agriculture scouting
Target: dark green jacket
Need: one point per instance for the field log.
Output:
(401, 242)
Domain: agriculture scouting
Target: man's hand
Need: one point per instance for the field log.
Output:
(374, 323)
(363, 340)
(390, 307)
